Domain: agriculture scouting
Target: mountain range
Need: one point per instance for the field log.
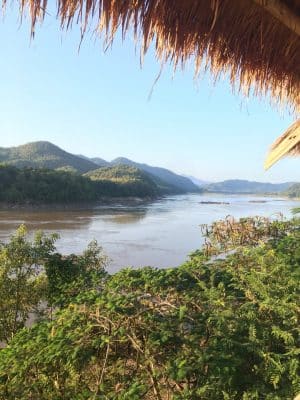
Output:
(244, 186)
(162, 174)
(47, 155)
(240, 186)
(44, 154)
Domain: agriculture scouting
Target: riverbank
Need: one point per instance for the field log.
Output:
(84, 206)
(107, 202)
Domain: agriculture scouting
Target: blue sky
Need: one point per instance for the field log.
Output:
(97, 104)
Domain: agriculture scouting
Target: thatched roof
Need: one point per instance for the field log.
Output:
(286, 144)
(257, 42)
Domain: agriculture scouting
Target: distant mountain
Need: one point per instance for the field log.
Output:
(244, 186)
(100, 162)
(44, 155)
(196, 181)
(293, 191)
(180, 184)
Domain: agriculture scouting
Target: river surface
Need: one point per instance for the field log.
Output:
(159, 234)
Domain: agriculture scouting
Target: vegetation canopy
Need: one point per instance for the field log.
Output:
(43, 186)
(223, 327)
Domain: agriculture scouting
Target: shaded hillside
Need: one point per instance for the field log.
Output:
(293, 191)
(44, 186)
(44, 155)
(124, 180)
(179, 183)
(244, 186)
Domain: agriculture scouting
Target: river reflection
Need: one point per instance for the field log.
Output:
(160, 234)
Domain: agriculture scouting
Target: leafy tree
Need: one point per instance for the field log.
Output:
(20, 288)
(67, 276)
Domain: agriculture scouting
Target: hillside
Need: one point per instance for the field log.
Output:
(293, 191)
(244, 186)
(124, 180)
(47, 155)
(179, 183)
(42, 186)
(46, 186)
(44, 155)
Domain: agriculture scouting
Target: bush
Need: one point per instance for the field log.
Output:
(225, 327)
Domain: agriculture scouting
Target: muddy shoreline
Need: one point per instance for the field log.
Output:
(103, 202)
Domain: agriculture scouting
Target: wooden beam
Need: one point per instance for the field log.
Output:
(279, 10)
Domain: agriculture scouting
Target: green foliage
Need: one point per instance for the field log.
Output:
(225, 327)
(68, 276)
(20, 289)
(36, 186)
(44, 186)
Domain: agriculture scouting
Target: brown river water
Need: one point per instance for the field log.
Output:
(160, 234)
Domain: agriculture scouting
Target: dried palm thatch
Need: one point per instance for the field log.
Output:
(286, 144)
(257, 42)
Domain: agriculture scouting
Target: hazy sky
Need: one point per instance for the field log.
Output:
(96, 103)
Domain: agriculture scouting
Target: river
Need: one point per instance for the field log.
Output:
(160, 234)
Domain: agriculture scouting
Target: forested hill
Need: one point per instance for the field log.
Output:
(47, 155)
(44, 155)
(244, 186)
(181, 183)
(130, 176)
(293, 191)
(123, 180)
(45, 186)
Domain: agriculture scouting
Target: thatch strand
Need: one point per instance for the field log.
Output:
(287, 144)
(239, 37)
(281, 11)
